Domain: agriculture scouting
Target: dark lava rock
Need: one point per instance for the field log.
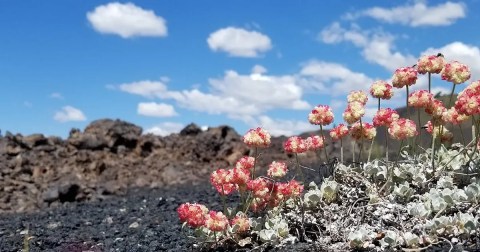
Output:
(191, 129)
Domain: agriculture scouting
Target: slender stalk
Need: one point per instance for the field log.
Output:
(408, 108)
(451, 96)
(386, 142)
(353, 151)
(370, 150)
(433, 148)
(429, 82)
(461, 133)
(417, 139)
(399, 151)
(324, 147)
(299, 170)
(254, 162)
(341, 150)
(361, 142)
(224, 202)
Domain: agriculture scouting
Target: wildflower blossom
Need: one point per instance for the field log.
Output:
(292, 189)
(295, 144)
(402, 128)
(240, 224)
(257, 138)
(439, 132)
(353, 113)
(420, 99)
(430, 64)
(468, 102)
(436, 109)
(277, 169)
(363, 131)
(194, 214)
(216, 221)
(259, 187)
(314, 142)
(339, 132)
(240, 176)
(405, 76)
(385, 116)
(258, 204)
(381, 90)
(321, 115)
(221, 179)
(246, 162)
(357, 96)
(455, 72)
(452, 116)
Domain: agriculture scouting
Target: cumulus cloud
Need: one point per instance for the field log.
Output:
(156, 109)
(149, 89)
(278, 127)
(68, 114)
(377, 47)
(165, 129)
(126, 20)
(334, 77)
(415, 14)
(239, 42)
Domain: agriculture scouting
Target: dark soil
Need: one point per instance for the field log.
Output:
(142, 220)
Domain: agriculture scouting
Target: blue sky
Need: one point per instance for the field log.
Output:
(164, 64)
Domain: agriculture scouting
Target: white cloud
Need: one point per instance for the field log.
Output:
(126, 20)
(377, 47)
(149, 89)
(165, 129)
(239, 42)
(278, 127)
(417, 14)
(467, 54)
(334, 77)
(156, 109)
(69, 113)
(56, 95)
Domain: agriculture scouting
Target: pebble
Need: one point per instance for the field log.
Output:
(134, 225)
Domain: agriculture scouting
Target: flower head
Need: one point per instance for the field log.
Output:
(194, 214)
(402, 128)
(295, 144)
(246, 162)
(430, 64)
(257, 138)
(385, 116)
(314, 142)
(468, 102)
(240, 176)
(216, 221)
(339, 132)
(353, 113)
(358, 96)
(291, 189)
(420, 99)
(259, 187)
(439, 131)
(381, 90)
(452, 116)
(455, 72)
(321, 115)
(221, 179)
(277, 169)
(363, 131)
(240, 224)
(436, 109)
(405, 76)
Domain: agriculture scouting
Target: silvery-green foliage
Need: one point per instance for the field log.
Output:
(403, 191)
(329, 190)
(419, 209)
(411, 240)
(313, 196)
(435, 201)
(466, 223)
(460, 223)
(473, 192)
(275, 230)
(442, 225)
(390, 239)
(376, 171)
(358, 237)
(256, 224)
(445, 182)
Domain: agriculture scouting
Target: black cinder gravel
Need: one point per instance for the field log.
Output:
(142, 220)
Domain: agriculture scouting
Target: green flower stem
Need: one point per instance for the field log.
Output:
(386, 142)
(361, 142)
(451, 96)
(417, 139)
(341, 150)
(370, 150)
(408, 108)
(353, 150)
(254, 162)
(461, 133)
(324, 145)
(299, 170)
(429, 82)
(399, 151)
(224, 202)
(433, 148)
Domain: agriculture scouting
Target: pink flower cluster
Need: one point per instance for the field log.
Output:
(384, 117)
(452, 116)
(468, 100)
(436, 109)
(420, 99)
(357, 96)
(321, 115)
(240, 224)
(272, 194)
(405, 76)
(430, 64)
(216, 221)
(257, 138)
(455, 72)
(364, 131)
(193, 214)
(197, 215)
(402, 128)
(381, 90)
(355, 110)
(277, 169)
(439, 131)
(296, 144)
(339, 132)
